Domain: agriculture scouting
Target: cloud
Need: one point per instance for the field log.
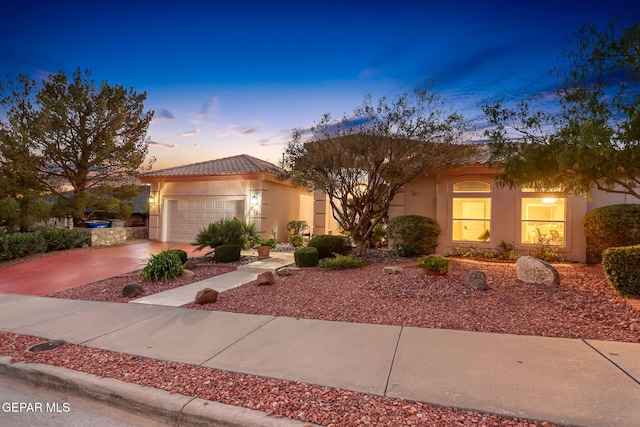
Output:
(196, 145)
(192, 132)
(207, 111)
(163, 116)
(159, 144)
(239, 130)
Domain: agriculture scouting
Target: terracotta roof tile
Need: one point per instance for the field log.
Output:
(242, 163)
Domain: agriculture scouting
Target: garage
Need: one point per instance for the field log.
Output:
(185, 218)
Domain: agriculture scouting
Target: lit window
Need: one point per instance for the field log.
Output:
(471, 219)
(472, 187)
(543, 220)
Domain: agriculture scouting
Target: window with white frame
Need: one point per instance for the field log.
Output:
(471, 211)
(543, 219)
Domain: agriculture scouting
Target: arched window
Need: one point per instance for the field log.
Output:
(471, 211)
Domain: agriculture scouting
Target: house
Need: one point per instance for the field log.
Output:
(473, 211)
(185, 199)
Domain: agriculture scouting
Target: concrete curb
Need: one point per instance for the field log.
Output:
(158, 405)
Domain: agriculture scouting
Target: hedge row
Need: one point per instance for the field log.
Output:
(16, 245)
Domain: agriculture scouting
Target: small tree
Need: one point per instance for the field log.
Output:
(594, 140)
(361, 161)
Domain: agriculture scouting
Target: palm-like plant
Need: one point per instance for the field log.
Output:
(227, 232)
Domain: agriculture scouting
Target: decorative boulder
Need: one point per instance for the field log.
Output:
(534, 270)
(206, 296)
(266, 278)
(476, 279)
(132, 290)
(393, 269)
(190, 265)
(188, 273)
(284, 271)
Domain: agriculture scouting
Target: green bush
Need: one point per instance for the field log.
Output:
(328, 244)
(419, 233)
(506, 251)
(296, 240)
(610, 227)
(434, 263)
(163, 266)
(297, 226)
(227, 253)
(272, 242)
(61, 238)
(404, 249)
(548, 252)
(306, 257)
(227, 232)
(622, 267)
(16, 245)
(342, 262)
(181, 254)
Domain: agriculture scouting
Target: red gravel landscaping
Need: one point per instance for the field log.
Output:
(583, 306)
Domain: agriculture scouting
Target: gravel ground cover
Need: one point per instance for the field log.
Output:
(583, 306)
(305, 402)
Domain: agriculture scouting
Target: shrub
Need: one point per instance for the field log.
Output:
(342, 262)
(419, 232)
(297, 226)
(61, 238)
(181, 254)
(227, 232)
(16, 245)
(227, 253)
(506, 251)
(327, 245)
(434, 263)
(306, 257)
(163, 266)
(296, 240)
(548, 252)
(611, 226)
(272, 242)
(622, 267)
(404, 249)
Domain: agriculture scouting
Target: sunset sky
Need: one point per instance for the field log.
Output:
(234, 77)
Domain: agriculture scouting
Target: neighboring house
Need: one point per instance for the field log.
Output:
(185, 199)
(473, 211)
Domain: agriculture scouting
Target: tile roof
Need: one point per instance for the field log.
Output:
(242, 163)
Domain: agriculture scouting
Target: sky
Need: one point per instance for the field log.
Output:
(235, 77)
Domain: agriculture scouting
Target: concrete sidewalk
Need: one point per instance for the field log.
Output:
(564, 381)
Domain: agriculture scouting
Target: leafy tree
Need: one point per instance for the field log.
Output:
(593, 138)
(361, 161)
(75, 135)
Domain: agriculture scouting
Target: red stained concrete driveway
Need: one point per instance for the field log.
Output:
(59, 272)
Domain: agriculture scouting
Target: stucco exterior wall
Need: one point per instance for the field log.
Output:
(277, 202)
(433, 197)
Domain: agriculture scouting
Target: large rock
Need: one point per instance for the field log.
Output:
(392, 269)
(266, 278)
(132, 290)
(284, 271)
(476, 279)
(206, 296)
(534, 270)
(187, 273)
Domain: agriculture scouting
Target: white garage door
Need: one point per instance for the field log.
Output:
(185, 218)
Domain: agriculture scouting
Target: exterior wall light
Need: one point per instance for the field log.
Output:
(254, 200)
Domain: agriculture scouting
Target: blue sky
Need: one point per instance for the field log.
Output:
(235, 77)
